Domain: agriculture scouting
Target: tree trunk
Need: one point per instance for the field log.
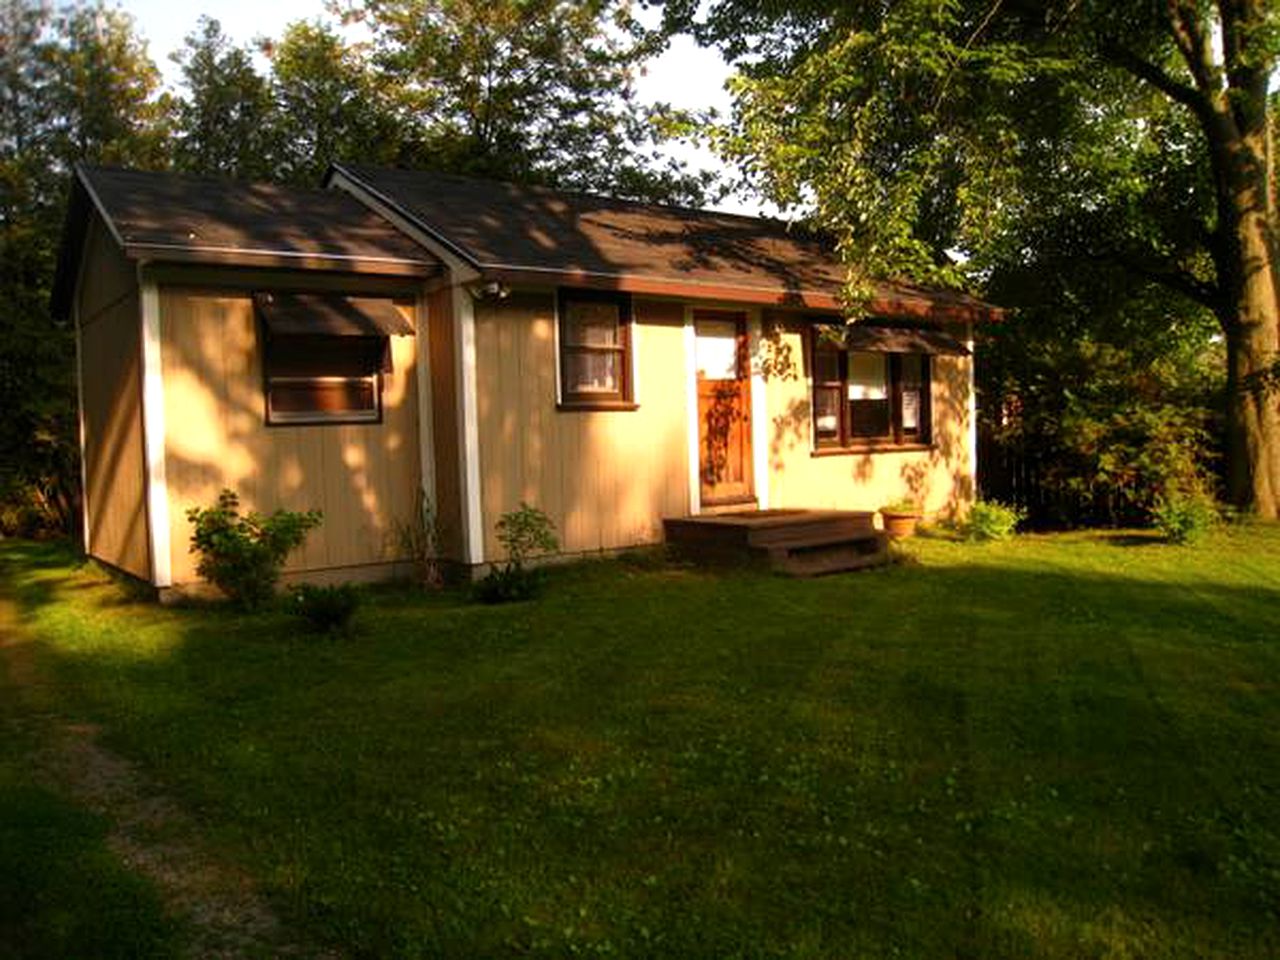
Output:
(1251, 320)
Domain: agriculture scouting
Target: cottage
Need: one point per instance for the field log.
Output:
(617, 364)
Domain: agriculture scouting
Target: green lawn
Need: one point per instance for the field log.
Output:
(1062, 747)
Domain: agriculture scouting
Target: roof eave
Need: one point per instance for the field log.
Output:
(795, 298)
(286, 259)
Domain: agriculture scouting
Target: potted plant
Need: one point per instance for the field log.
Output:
(901, 517)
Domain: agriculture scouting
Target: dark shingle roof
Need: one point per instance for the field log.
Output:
(188, 215)
(504, 227)
(179, 218)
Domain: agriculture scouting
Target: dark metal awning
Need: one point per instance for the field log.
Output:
(330, 315)
(881, 338)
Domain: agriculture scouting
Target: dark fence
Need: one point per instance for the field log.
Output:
(1013, 477)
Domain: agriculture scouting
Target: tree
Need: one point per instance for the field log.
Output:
(937, 138)
(226, 122)
(329, 103)
(77, 86)
(530, 90)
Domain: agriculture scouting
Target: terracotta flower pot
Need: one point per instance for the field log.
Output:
(898, 524)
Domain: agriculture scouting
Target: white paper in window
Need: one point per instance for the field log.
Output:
(910, 410)
(868, 376)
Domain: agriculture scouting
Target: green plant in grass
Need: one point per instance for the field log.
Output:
(242, 554)
(991, 520)
(523, 533)
(1184, 518)
(327, 609)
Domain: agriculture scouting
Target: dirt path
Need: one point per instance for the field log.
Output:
(226, 918)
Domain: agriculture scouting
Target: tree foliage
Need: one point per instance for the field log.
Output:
(74, 85)
(225, 123)
(952, 140)
(529, 91)
(331, 105)
(535, 90)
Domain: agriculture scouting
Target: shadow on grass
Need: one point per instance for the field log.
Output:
(1133, 539)
(975, 756)
(63, 893)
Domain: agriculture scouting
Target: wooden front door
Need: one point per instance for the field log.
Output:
(724, 408)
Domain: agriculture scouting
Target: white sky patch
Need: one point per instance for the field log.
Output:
(685, 76)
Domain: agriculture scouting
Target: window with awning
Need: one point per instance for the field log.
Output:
(325, 355)
(871, 384)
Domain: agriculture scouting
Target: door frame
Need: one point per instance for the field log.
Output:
(757, 400)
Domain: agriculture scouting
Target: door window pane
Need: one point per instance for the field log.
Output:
(717, 350)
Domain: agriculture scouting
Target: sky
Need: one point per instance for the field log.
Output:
(685, 76)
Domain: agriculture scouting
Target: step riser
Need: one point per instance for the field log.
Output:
(802, 559)
(824, 528)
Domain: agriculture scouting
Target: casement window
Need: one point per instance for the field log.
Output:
(324, 356)
(595, 349)
(867, 399)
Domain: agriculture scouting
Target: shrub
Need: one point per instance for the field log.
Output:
(1184, 518)
(242, 554)
(522, 532)
(991, 520)
(326, 609)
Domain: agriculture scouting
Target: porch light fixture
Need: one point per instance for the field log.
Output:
(493, 290)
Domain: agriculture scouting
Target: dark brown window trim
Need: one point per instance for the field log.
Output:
(274, 420)
(586, 406)
(853, 451)
(623, 398)
(894, 442)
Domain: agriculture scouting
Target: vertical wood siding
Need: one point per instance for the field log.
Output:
(114, 459)
(606, 478)
(364, 477)
(941, 478)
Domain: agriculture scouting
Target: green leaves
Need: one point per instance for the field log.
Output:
(242, 554)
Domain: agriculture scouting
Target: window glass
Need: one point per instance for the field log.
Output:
(594, 347)
(329, 396)
(717, 350)
(826, 414)
(826, 363)
(591, 323)
(868, 376)
(912, 372)
(591, 372)
(324, 379)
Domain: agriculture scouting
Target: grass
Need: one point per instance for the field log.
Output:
(1059, 746)
(63, 893)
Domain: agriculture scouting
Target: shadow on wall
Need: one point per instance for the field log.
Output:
(941, 474)
(115, 456)
(949, 454)
(363, 477)
(606, 478)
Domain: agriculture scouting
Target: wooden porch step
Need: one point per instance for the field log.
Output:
(813, 558)
(818, 530)
(797, 542)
